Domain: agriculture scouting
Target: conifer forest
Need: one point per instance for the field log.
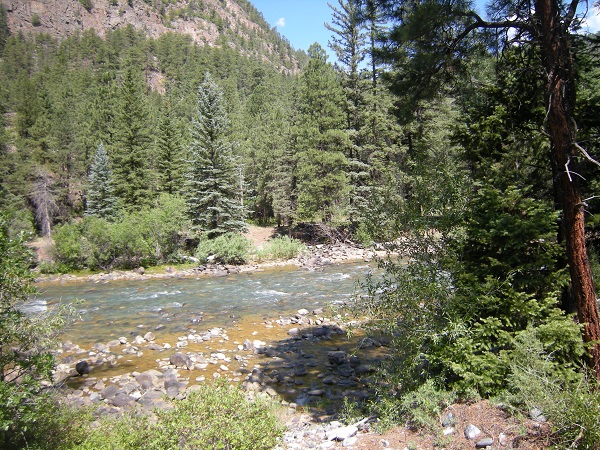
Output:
(468, 145)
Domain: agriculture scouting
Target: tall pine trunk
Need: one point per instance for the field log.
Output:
(560, 98)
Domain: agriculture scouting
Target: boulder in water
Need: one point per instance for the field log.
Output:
(181, 360)
(83, 368)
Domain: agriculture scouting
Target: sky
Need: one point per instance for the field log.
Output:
(302, 21)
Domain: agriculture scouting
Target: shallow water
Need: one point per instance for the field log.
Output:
(112, 309)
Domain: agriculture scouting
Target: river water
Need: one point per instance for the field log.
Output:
(167, 307)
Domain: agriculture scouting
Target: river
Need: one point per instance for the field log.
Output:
(108, 310)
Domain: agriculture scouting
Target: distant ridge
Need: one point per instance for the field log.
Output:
(234, 23)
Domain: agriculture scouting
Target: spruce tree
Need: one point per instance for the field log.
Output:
(101, 200)
(322, 141)
(169, 153)
(213, 200)
(130, 145)
(348, 43)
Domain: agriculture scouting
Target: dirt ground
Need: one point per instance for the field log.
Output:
(260, 235)
(492, 421)
(42, 248)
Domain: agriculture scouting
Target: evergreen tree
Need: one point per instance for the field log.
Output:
(322, 141)
(4, 31)
(214, 204)
(431, 43)
(169, 153)
(101, 200)
(348, 43)
(131, 141)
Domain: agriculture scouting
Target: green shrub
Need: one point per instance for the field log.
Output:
(98, 242)
(569, 400)
(424, 407)
(216, 416)
(281, 248)
(147, 237)
(87, 4)
(420, 408)
(68, 250)
(26, 346)
(230, 248)
(163, 227)
(35, 20)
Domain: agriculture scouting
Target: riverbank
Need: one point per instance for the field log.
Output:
(315, 257)
(309, 371)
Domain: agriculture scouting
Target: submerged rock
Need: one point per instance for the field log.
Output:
(83, 368)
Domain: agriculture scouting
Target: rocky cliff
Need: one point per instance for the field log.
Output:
(208, 22)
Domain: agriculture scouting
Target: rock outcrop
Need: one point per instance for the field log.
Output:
(215, 22)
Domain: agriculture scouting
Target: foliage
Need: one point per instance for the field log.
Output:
(169, 153)
(101, 200)
(424, 407)
(4, 31)
(229, 248)
(211, 191)
(87, 4)
(130, 144)
(150, 236)
(572, 403)
(215, 416)
(280, 248)
(26, 341)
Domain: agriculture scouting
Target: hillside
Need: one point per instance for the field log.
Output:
(233, 23)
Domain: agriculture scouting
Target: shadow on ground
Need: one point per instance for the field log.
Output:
(317, 368)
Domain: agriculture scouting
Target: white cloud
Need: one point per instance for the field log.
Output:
(281, 22)
(591, 23)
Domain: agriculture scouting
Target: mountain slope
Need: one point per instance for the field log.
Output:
(233, 23)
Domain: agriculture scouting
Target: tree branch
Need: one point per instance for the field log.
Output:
(480, 23)
(571, 14)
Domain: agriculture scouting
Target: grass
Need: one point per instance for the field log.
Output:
(280, 248)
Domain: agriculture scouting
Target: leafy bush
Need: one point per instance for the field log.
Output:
(147, 237)
(163, 228)
(68, 250)
(215, 416)
(36, 21)
(280, 248)
(424, 406)
(229, 248)
(26, 343)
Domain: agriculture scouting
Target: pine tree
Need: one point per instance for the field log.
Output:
(348, 43)
(322, 141)
(169, 153)
(101, 200)
(213, 200)
(130, 145)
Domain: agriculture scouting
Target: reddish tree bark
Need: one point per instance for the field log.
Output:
(560, 92)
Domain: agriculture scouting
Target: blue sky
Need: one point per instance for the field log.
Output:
(302, 21)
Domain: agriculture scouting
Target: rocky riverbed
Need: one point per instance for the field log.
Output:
(309, 371)
(303, 361)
